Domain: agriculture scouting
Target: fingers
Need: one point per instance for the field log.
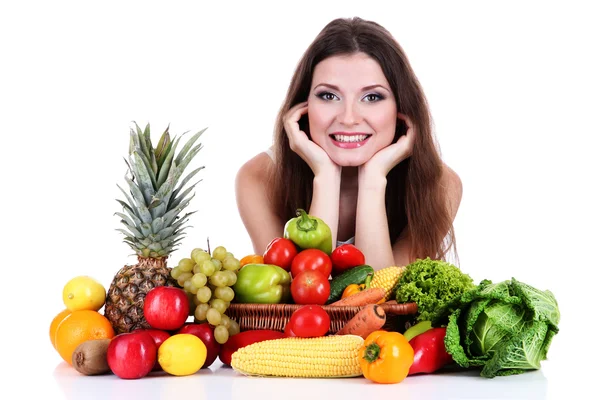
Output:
(291, 123)
(410, 132)
(295, 113)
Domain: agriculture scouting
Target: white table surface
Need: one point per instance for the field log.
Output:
(219, 382)
(569, 367)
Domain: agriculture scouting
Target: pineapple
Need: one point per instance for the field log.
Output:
(152, 221)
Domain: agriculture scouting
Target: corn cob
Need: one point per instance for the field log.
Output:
(320, 357)
(386, 279)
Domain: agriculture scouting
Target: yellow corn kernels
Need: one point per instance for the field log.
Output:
(386, 279)
(321, 357)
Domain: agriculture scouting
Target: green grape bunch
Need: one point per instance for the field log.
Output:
(207, 279)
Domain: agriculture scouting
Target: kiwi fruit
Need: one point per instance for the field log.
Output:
(89, 358)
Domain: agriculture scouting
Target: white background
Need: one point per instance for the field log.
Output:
(514, 92)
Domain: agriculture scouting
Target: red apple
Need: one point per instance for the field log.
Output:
(166, 308)
(132, 355)
(204, 332)
(159, 337)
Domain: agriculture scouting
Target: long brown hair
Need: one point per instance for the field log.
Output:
(416, 202)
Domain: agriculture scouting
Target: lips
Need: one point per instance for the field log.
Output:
(349, 140)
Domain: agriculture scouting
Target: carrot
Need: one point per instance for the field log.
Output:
(367, 320)
(362, 298)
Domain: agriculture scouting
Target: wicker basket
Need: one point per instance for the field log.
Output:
(399, 317)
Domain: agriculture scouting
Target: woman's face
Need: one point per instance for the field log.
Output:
(351, 109)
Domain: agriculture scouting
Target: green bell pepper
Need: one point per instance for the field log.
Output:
(308, 232)
(262, 283)
(416, 330)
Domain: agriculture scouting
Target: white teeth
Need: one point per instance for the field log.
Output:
(350, 139)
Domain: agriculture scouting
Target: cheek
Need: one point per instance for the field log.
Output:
(384, 123)
(319, 121)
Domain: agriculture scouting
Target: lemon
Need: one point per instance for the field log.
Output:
(182, 354)
(84, 293)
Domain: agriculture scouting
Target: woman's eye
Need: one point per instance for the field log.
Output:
(373, 97)
(327, 96)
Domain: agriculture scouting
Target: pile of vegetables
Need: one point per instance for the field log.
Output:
(501, 328)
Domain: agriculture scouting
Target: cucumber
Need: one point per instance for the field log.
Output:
(356, 275)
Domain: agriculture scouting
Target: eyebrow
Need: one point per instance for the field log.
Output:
(363, 89)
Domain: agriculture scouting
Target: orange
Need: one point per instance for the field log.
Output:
(81, 326)
(55, 322)
(252, 259)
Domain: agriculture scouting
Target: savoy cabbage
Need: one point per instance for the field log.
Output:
(504, 328)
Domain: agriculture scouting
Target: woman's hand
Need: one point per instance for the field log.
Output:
(385, 159)
(316, 158)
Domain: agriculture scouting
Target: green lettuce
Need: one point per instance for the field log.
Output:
(503, 328)
(431, 284)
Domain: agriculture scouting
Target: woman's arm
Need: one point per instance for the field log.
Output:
(257, 213)
(325, 202)
(372, 235)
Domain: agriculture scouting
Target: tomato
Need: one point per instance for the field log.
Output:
(309, 321)
(280, 252)
(345, 257)
(311, 259)
(288, 331)
(310, 287)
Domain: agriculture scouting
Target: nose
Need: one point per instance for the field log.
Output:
(349, 115)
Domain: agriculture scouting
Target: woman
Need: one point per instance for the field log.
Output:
(354, 146)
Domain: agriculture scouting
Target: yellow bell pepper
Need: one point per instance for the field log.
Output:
(356, 288)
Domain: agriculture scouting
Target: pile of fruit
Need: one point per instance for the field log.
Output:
(86, 340)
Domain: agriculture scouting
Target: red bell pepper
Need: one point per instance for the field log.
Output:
(345, 257)
(244, 339)
(430, 352)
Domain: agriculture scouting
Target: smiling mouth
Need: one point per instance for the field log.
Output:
(350, 138)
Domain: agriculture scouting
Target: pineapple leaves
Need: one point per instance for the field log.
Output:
(165, 233)
(148, 140)
(139, 201)
(172, 214)
(182, 198)
(153, 166)
(148, 167)
(131, 206)
(151, 208)
(188, 146)
(125, 219)
(157, 208)
(134, 143)
(182, 221)
(146, 229)
(163, 155)
(126, 233)
(186, 160)
(185, 181)
(163, 143)
(142, 142)
(167, 166)
(158, 225)
(145, 183)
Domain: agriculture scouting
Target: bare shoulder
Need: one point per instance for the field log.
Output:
(255, 170)
(453, 186)
(252, 188)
